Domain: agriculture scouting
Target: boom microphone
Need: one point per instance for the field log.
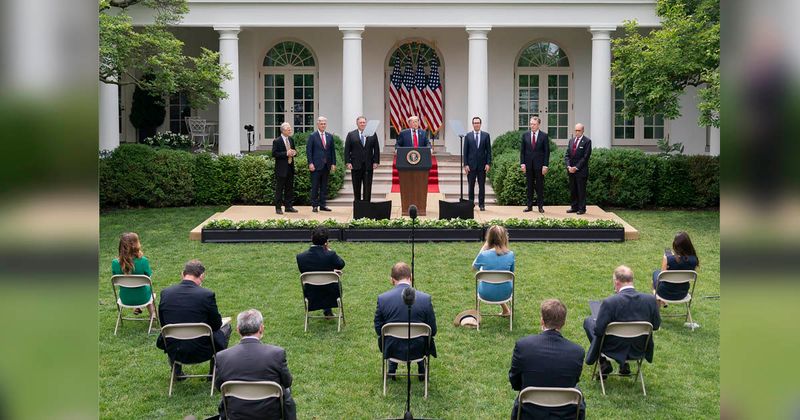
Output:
(412, 211)
(409, 295)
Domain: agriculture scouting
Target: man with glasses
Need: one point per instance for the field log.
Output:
(576, 160)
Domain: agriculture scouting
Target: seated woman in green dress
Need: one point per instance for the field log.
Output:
(132, 261)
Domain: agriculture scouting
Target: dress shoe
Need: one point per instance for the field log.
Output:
(291, 210)
(278, 210)
(580, 212)
(314, 209)
(541, 209)
(605, 367)
(179, 376)
(328, 314)
(527, 209)
(421, 377)
(392, 376)
(324, 208)
(483, 208)
(625, 370)
(571, 211)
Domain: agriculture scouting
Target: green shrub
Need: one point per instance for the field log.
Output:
(171, 179)
(674, 184)
(126, 181)
(256, 182)
(215, 179)
(620, 178)
(704, 173)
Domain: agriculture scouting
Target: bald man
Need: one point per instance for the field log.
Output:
(576, 159)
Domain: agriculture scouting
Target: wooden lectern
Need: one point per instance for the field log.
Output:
(413, 165)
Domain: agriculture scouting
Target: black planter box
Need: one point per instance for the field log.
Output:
(566, 235)
(421, 235)
(263, 235)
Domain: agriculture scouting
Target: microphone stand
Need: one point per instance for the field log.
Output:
(461, 169)
(413, 215)
(408, 415)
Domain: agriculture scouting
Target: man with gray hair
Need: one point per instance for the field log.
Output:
(252, 360)
(284, 153)
(625, 306)
(321, 152)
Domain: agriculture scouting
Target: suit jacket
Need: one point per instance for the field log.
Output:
(318, 155)
(318, 259)
(361, 156)
(477, 157)
(627, 305)
(545, 360)
(580, 159)
(405, 139)
(392, 309)
(281, 158)
(187, 302)
(538, 157)
(251, 360)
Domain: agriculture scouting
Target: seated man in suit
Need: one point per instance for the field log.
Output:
(412, 136)
(625, 306)
(547, 360)
(188, 302)
(392, 309)
(251, 360)
(320, 258)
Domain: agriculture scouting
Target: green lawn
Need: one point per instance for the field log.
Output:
(338, 375)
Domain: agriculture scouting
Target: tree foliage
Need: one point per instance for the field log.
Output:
(655, 68)
(128, 53)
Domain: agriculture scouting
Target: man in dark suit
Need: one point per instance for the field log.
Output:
(188, 302)
(284, 152)
(576, 159)
(392, 309)
(362, 155)
(252, 361)
(321, 152)
(534, 158)
(320, 258)
(412, 136)
(477, 159)
(546, 360)
(625, 306)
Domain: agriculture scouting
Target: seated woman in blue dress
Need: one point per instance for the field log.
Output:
(682, 257)
(495, 255)
(131, 260)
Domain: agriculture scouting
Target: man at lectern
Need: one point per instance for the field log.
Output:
(412, 136)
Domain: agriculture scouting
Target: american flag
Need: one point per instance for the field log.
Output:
(405, 92)
(433, 97)
(419, 97)
(396, 107)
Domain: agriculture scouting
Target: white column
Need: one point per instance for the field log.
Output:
(478, 75)
(229, 123)
(109, 116)
(352, 78)
(600, 122)
(713, 149)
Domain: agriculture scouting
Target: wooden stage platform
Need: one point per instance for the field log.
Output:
(343, 214)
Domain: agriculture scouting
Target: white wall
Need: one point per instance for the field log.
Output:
(685, 129)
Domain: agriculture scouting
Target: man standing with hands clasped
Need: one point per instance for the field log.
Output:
(284, 152)
(534, 157)
(362, 156)
(321, 152)
(576, 159)
(477, 158)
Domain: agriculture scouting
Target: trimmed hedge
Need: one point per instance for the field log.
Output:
(617, 177)
(136, 175)
(510, 142)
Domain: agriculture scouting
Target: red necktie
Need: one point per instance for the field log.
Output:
(324, 146)
(416, 143)
(575, 145)
(533, 139)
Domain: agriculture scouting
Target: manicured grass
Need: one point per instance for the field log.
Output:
(338, 375)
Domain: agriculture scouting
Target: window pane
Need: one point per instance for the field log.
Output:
(523, 95)
(552, 79)
(269, 119)
(279, 93)
(629, 133)
(618, 119)
(562, 106)
(279, 119)
(308, 79)
(298, 93)
(648, 120)
(552, 120)
(309, 120)
(298, 80)
(279, 106)
(278, 80)
(523, 107)
(309, 106)
(552, 93)
(269, 106)
(659, 119)
(659, 132)
(648, 132)
(269, 93)
(563, 79)
(269, 80)
(309, 93)
(523, 80)
(618, 132)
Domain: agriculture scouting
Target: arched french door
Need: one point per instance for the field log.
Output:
(289, 90)
(544, 88)
(414, 86)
